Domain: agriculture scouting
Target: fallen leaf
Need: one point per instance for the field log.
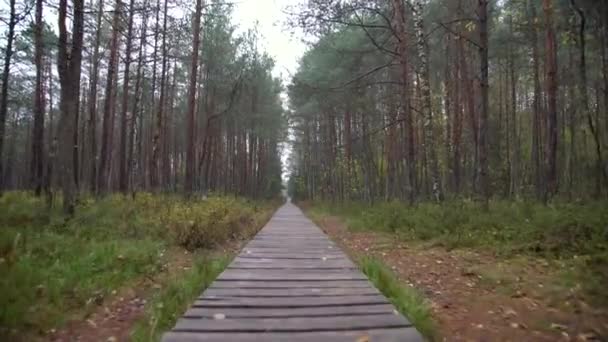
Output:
(364, 338)
(92, 323)
(510, 312)
(587, 337)
(557, 326)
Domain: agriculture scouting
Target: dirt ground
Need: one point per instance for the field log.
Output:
(477, 297)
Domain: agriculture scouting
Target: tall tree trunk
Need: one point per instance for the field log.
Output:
(516, 157)
(8, 54)
(123, 177)
(108, 107)
(36, 166)
(551, 85)
(400, 28)
(427, 109)
(601, 175)
(69, 60)
(537, 136)
(156, 139)
(136, 99)
(484, 185)
(196, 27)
(92, 99)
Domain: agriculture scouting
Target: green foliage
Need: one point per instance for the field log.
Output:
(574, 233)
(51, 267)
(176, 295)
(406, 299)
(559, 230)
(220, 219)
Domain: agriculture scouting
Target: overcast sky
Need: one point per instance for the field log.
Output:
(278, 39)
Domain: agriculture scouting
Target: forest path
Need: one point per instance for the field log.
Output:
(292, 283)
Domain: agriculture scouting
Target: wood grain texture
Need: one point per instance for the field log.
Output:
(291, 283)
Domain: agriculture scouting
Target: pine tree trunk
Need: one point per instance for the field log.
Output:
(191, 128)
(483, 115)
(8, 54)
(69, 77)
(37, 165)
(551, 86)
(108, 110)
(123, 176)
(155, 167)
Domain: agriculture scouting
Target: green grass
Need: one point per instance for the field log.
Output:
(175, 297)
(406, 299)
(559, 230)
(575, 234)
(53, 269)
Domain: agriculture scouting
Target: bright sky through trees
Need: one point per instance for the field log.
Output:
(280, 41)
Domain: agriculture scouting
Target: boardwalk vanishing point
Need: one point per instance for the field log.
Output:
(291, 283)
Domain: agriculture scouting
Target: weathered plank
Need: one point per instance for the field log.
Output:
(293, 302)
(377, 335)
(291, 292)
(291, 283)
(354, 310)
(289, 324)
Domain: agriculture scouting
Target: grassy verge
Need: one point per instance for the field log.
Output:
(406, 299)
(572, 235)
(177, 294)
(53, 270)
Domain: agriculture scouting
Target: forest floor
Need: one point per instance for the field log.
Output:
(121, 269)
(475, 295)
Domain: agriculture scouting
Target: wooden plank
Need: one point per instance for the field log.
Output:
(291, 292)
(238, 262)
(281, 275)
(381, 335)
(294, 302)
(290, 256)
(298, 324)
(353, 310)
(352, 283)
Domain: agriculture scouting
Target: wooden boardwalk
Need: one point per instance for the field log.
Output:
(291, 283)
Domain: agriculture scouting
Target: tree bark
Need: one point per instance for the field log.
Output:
(483, 115)
(136, 100)
(108, 108)
(400, 28)
(69, 60)
(551, 86)
(190, 162)
(427, 108)
(123, 177)
(8, 54)
(156, 139)
(37, 166)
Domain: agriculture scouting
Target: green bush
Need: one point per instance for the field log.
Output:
(559, 230)
(204, 226)
(50, 267)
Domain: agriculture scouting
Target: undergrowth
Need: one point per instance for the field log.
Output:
(406, 299)
(560, 230)
(175, 297)
(576, 233)
(52, 269)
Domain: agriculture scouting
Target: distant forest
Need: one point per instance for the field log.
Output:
(425, 100)
(144, 95)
